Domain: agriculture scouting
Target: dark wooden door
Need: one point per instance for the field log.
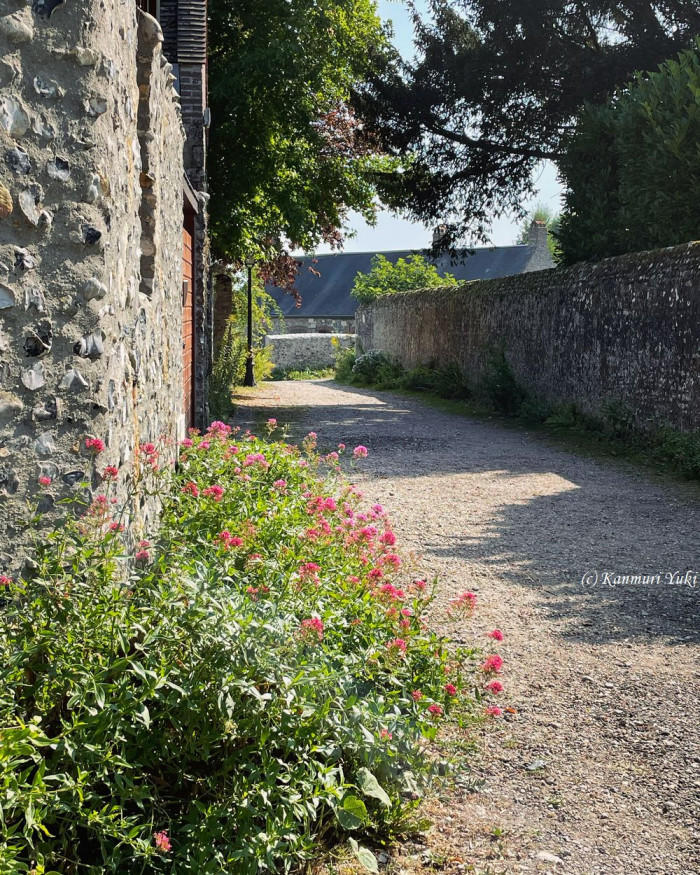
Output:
(188, 323)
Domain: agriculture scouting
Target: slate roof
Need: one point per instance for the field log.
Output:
(329, 294)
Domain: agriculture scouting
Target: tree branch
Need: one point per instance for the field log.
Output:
(490, 146)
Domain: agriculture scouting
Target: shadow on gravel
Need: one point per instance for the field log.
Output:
(603, 521)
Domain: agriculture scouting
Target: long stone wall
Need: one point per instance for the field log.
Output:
(91, 211)
(313, 351)
(625, 330)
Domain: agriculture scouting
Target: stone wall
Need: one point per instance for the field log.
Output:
(625, 330)
(90, 252)
(314, 325)
(311, 351)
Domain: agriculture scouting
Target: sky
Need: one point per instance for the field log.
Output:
(393, 232)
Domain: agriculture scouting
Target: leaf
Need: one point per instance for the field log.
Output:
(365, 856)
(143, 714)
(370, 787)
(352, 813)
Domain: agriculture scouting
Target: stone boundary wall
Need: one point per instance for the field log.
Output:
(314, 325)
(91, 144)
(626, 330)
(307, 350)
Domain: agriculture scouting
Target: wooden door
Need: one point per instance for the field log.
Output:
(188, 323)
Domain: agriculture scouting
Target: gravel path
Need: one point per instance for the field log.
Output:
(598, 768)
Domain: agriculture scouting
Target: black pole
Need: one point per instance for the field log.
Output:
(249, 379)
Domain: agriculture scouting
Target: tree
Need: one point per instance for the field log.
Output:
(385, 278)
(495, 89)
(288, 157)
(642, 192)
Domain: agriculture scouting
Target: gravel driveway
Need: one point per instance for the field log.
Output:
(598, 769)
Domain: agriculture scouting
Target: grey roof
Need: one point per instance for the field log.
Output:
(329, 293)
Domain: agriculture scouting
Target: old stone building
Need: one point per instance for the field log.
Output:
(104, 305)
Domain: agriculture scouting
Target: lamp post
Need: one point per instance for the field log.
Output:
(249, 379)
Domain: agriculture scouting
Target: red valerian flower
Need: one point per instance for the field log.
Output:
(162, 841)
(312, 629)
(466, 602)
(94, 444)
(494, 711)
(494, 687)
(216, 492)
(435, 709)
(416, 695)
(396, 645)
(497, 635)
(451, 689)
(492, 663)
(385, 734)
(360, 452)
(44, 480)
(142, 556)
(187, 442)
(5, 580)
(191, 488)
(149, 449)
(110, 472)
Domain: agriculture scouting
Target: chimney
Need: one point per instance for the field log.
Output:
(439, 234)
(538, 239)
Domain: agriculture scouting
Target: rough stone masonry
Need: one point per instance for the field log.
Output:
(91, 145)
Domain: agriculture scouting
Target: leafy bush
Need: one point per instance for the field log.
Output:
(632, 167)
(344, 363)
(257, 680)
(385, 277)
(367, 367)
(445, 382)
(501, 389)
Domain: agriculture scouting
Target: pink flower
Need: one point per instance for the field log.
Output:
(497, 635)
(204, 445)
(390, 559)
(191, 488)
(494, 711)
(110, 472)
(281, 485)
(435, 709)
(94, 444)
(5, 580)
(341, 447)
(272, 423)
(331, 457)
(116, 527)
(45, 481)
(396, 645)
(466, 602)
(329, 504)
(312, 629)
(388, 538)
(216, 492)
(385, 734)
(451, 689)
(187, 442)
(148, 449)
(144, 544)
(360, 452)
(492, 663)
(494, 687)
(420, 585)
(219, 428)
(416, 695)
(375, 574)
(162, 841)
(142, 556)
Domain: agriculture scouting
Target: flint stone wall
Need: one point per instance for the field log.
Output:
(626, 330)
(90, 253)
(313, 351)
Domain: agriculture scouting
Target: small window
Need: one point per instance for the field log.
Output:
(149, 6)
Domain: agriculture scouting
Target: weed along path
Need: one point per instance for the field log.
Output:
(596, 769)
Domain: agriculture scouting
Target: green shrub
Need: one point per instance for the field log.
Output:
(227, 697)
(500, 388)
(632, 167)
(368, 367)
(344, 362)
(445, 382)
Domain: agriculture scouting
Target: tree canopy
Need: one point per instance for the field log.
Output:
(495, 88)
(385, 277)
(288, 157)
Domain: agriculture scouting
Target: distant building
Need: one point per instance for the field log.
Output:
(327, 305)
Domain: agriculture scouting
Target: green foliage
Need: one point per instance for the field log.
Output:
(385, 278)
(632, 167)
(492, 92)
(230, 695)
(500, 387)
(301, 374)
(230, 358)
(445, 382)
(287, 157)
(344, 363)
